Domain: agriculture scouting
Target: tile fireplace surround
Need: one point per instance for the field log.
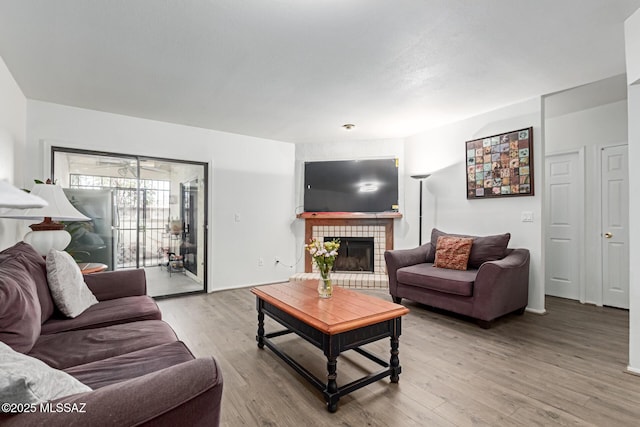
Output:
(377, 226)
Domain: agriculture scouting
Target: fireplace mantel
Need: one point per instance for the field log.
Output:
(349, 215)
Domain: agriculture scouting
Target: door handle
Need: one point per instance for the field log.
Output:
(608, 235)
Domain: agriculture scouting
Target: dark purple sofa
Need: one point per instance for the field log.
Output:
(496, 281)
(139, 373)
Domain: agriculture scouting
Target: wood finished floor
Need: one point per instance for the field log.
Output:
(563, 368)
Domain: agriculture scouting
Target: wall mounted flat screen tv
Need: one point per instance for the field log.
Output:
(351, 186)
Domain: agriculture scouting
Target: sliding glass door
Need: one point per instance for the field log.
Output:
(145, 213)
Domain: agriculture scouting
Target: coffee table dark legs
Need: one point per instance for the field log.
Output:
(260, 336)
(332, 346)
(394, 363)
(331, 393)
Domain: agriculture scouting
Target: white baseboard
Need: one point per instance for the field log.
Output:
(634, 371)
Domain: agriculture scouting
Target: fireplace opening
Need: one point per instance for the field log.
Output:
(355, 254)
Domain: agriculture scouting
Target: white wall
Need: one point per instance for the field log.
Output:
(442, 152)
(248, 176)
(632, 47)
(632, 32)
(590, 130)
(13, 113)
(355, 150)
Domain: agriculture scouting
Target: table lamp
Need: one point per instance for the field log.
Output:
(49, 234)
(12, 197)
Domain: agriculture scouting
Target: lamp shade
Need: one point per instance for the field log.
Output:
(421, 176)
(48, 234)
(58, 209)
(12, 197)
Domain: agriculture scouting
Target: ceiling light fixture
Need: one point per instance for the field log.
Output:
(349, 126)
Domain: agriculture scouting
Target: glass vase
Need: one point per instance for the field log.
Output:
(325, 290)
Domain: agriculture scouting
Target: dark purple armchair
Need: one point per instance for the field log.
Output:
(496, 282)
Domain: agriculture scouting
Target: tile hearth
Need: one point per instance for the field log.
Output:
(377, 232)
(378, 226)
(366, 280)
(350, 280)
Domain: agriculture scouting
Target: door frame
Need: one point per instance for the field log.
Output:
(599, 270)
(581, 218)
(49, 146)
(182, 183)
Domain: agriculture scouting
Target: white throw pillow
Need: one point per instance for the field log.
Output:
(69, 292)
(24, 379)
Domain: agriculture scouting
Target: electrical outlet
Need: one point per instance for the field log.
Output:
(260, 262)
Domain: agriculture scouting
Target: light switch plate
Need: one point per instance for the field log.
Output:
(526, 216)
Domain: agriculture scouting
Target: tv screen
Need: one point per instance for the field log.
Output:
(351, 186)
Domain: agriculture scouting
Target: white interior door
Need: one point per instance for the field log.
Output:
(615, 226)
(564, 225)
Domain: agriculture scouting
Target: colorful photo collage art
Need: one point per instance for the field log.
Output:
(500, 165)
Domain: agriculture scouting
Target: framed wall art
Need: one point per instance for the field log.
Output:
(500, 165)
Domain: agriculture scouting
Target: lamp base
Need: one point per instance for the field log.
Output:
(47, 224)
(45, 240)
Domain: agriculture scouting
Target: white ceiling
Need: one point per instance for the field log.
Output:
(296, 70)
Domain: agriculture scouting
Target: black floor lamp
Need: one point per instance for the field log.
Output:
(420, 178)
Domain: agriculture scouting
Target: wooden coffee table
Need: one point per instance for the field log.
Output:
(346, 321)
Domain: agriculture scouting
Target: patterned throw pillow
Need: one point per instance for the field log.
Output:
(453, 252)
(485, 248)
